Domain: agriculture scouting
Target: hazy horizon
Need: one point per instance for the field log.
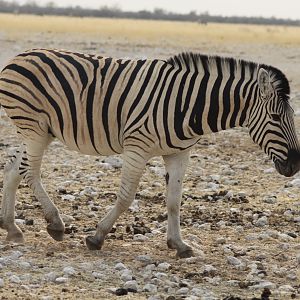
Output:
(254, 8)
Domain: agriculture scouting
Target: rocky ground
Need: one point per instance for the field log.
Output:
(238, 213)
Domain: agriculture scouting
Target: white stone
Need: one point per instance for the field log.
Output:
(144, 258)
(163, 266)
(151, 288)
(262, 285)
(1, 283)
(114, 161)
(24, 264)
(20, 221)
(51, 276)
(286, 288)
(68, 197)
(140, 237)
(69, 271)
(131, 284)
(67, 219)
(98, 275)
(183, 291)
(262, 221)
(61, 280)
(14, 279)
(120, 266)
(16, 254)
(295, 182)
(126, 277)
(233, 260)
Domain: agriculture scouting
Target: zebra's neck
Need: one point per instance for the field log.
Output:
(225, 91)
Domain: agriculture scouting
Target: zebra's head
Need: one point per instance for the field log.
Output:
(271, 121)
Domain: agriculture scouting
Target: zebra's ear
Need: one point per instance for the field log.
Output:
(264, 82)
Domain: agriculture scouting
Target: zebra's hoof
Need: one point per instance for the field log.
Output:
(57, 235)
(16, 237)
(93, 243)
(185, 254)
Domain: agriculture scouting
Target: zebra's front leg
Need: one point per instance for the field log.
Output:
(132, 169)
(11, 181)
(176, 165)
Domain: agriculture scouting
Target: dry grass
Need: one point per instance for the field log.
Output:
(156, 32)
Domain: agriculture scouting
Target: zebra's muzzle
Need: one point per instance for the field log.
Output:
(290, 166)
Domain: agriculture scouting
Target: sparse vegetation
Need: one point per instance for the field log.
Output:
(154, 32)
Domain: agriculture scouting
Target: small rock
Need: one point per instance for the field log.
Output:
(151, 288)
(140, 237)
(286, 288)
(115, 162)
(121, 292)
(67, 219)
(51, 276)
(262, 221)
(233, 260)
(292, 276)
(61, 280)
(220, 240)
(208, 270)
(183, 291)
(16, 254)
(24, 264)
(69, 271)
(144, 259)
(14, 279)
(295, 182)
(263, 285)
(1, 283)
(163, 266)
(126, 277)
(131, 285)
(98, 275)
(120, 266)
(68, 197)
(270, 199)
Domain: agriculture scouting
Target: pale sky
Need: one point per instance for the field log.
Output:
(265, 8)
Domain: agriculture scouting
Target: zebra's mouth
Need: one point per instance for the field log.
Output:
(290, 166)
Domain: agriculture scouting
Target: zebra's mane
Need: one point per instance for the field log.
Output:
(195, 62)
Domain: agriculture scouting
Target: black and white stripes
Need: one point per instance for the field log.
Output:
(141, 108)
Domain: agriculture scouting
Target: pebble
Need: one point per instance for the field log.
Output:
(163, 266)
(61, 280)
(262, 285)
(69, 271)
(140, 237)
(183, 291)
(270, 199)
(262, 221)
(51, 276)
(144, 259)
(294, 182)
(14, 279)
(1, 283)
(151, 288)
(233, 260)
(114, 161)
(120, 266)
(68, 197)
(132, 285)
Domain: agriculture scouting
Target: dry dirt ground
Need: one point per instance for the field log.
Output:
(242, 216)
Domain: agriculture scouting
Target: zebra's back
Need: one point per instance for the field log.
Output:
(85, 101)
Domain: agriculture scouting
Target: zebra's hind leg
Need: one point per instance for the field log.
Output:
(11, 181)
(32, 176)
(132, 169)
(176, 165)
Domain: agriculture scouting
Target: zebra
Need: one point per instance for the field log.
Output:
(139, 108)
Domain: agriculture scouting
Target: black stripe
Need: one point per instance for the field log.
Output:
(77, 65)
(226, 94)
(247, 101)
(106, 120)
(237, 97)
(179, 114)
(166, 111)
(142, 89)
(155, 108)
(149, 100)
(195, 120)
(212, 117)
(65, 86)
(107, 63)
(28, 74)
(125, 92)
(90, 104)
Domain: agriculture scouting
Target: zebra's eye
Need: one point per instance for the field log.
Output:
(275, 117)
